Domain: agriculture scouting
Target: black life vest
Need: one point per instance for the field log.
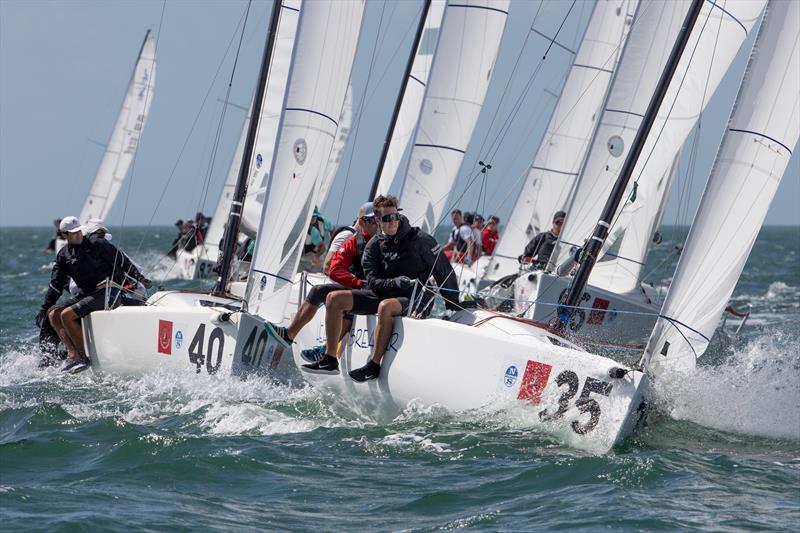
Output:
(356, 268)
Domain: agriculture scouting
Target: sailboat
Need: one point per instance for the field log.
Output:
(218, 332)
(480, 358)
(125, 136)
(616, 307)
(762, 133)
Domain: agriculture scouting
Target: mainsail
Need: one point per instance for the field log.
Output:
(463, 66)
(124, 141)
(713, 45)
(322, 61)
(555, 166)
(412, 98)
(270, 117)
(761, 135)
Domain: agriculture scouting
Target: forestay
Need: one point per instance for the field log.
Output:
(713, 45)
(554, 169)
(460, 75)
(322, 61)
(761, 135)
(268, 122)
(412, 99)
(124, 141)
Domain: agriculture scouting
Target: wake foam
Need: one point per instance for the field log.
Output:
(756, 390)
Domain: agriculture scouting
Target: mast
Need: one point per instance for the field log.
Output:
(595, 243)
(235, 216)
(399, 101)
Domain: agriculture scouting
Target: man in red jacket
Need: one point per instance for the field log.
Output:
(345, 273)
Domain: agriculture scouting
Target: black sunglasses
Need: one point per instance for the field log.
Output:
(368, 220)
(391, 217)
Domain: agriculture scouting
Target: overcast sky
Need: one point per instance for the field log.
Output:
(64, 67)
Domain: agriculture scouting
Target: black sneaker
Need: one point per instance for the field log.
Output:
(279, 332)
(78, 364)
(369, 371)
(327, 365)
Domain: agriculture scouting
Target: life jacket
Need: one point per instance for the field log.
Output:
(461, 244)
(340, 229)
(356, 268)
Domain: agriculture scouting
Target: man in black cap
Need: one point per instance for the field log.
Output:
(539, 249)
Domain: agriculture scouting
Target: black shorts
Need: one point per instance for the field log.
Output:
(365, 302)
(95, 301)
(318, 293)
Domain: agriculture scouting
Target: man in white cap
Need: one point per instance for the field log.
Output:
(345, 272)
(95, 265)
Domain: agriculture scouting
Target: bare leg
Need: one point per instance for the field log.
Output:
(347, 325)
(72, 326)
(335, 303)
(58, 324)
(387, 310)
(303, 317)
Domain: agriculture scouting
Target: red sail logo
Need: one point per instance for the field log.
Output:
(165, 337)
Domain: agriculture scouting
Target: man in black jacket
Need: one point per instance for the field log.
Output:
(90, 262)
(539, 249)
(394, 262)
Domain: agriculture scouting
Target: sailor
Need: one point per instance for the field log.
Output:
(346, 273)
(342, 234)
(314, 245)
(477, 239)
(395, 261)
(176, 243)
(490, 235)
(51, 245)
(460, 237)
(538, 250)
(99, 269)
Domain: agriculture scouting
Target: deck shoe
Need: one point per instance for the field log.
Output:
(75, 365)
(327, 365)
(279, 332)
(369, 371)
(313, 355)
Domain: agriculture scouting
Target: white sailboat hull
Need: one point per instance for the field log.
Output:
(471, 363)
(185, 332)
(605, 318)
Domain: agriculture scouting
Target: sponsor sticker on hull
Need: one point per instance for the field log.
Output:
(165, 337)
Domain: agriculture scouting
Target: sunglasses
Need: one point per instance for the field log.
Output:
(368, 220)
(391, 217)
(558, 222)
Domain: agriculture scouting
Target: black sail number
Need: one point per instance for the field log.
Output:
(567, 377)
(216, 343)
(584, 403)
(254, 348)
(587, 405)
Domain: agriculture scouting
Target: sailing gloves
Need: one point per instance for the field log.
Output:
(41, 317)
(403, 282)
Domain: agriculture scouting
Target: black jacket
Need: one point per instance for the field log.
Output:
(541, 247)
(91, 262)
(413, 253)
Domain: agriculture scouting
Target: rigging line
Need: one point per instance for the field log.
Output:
(189, 134)
(133, 163)
(215, 146)
(360, 113)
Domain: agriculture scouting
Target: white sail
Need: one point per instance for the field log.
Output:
(714, 42)
(555, 167)
(124, 141)
(270, 117)
(412, 98)
(761, 135)
(463, 66)
(342, 134)
(322, 61)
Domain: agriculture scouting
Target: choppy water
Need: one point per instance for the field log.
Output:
(158, 453)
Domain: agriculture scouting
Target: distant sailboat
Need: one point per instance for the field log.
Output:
(127, 132)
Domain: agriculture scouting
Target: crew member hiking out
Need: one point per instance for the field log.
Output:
(98, 269)
(394, 262)
(538, 250)
(346, 272)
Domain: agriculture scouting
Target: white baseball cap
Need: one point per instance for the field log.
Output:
(70, 225)
(95, 225)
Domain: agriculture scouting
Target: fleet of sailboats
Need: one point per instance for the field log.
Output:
(639, 81)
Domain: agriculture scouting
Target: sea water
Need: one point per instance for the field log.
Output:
(159, 453)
